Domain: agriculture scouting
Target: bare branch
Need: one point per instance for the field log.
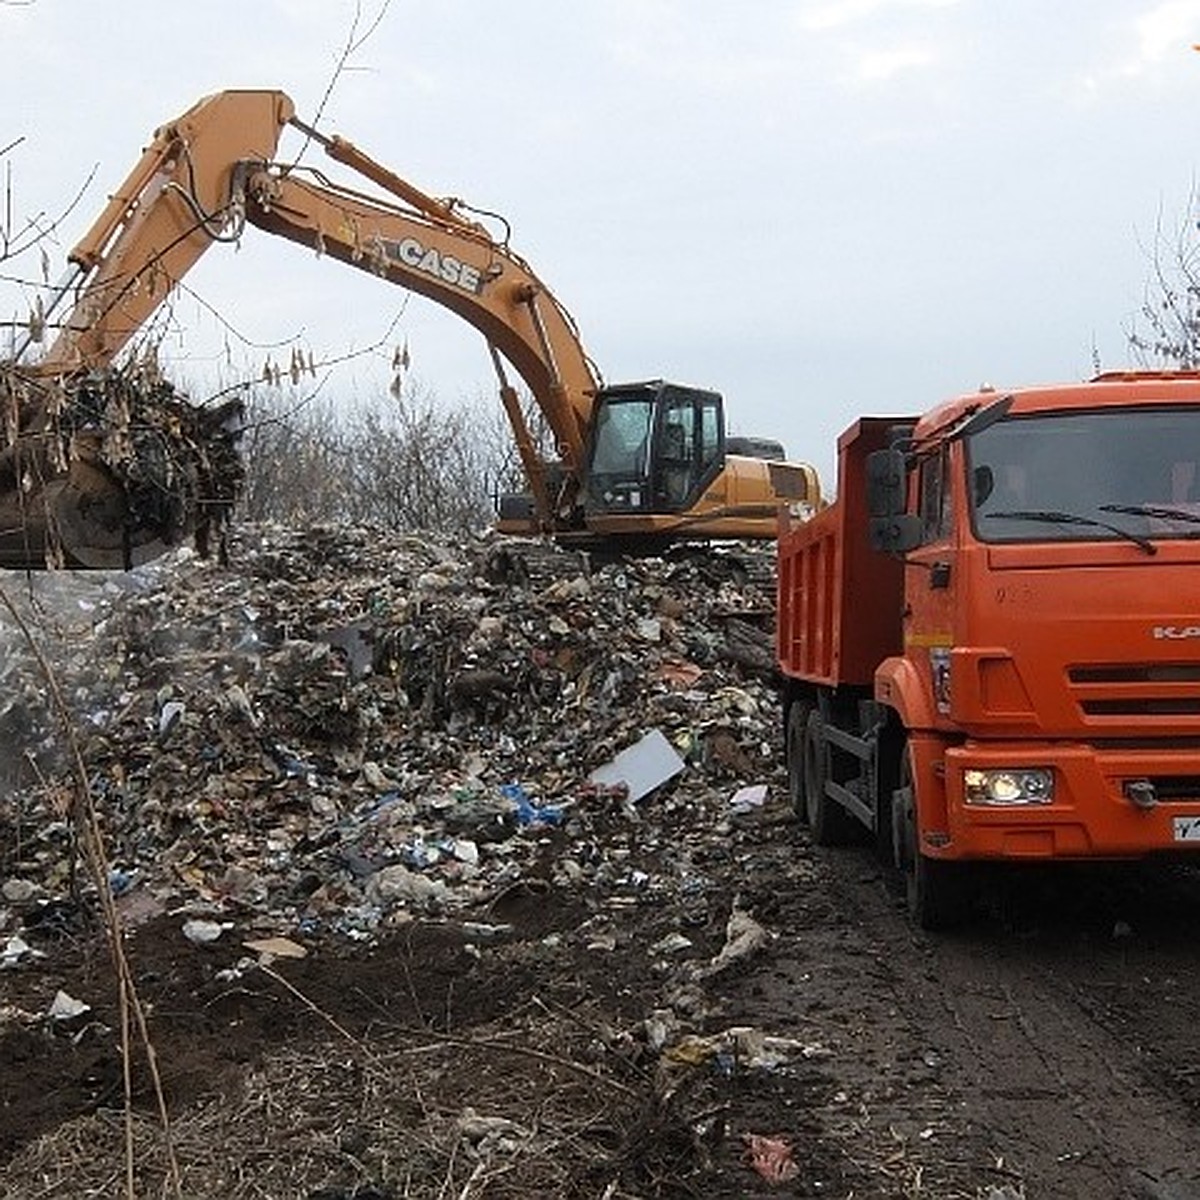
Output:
(1166, 330)
(354, 42)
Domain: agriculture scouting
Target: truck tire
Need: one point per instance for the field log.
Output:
(797, 720)
(887, 770)
(936, 891)
(829, 823)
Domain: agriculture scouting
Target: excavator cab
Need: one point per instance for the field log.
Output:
(655, 448)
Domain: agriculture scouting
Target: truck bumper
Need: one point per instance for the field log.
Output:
(1091, 815)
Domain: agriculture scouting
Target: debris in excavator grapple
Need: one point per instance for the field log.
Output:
(110, 469)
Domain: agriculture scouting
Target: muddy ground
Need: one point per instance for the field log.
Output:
(1047, 1050)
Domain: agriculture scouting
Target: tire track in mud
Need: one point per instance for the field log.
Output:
(1057, 1030)
(1047, 1048)
(1066, 1096)
(844, 977)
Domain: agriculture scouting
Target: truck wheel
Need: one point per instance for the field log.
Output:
(797, 720)
(830, 823)
(936, 890)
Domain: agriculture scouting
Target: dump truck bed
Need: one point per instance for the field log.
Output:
(840, 602)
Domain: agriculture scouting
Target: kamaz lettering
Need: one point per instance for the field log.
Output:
(444, 267)
(1176, 632)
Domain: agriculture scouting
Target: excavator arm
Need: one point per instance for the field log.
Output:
(453, 262)
(211, 172)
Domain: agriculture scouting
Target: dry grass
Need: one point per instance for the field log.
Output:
(510, 1112)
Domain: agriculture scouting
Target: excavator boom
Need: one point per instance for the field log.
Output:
(457, 265)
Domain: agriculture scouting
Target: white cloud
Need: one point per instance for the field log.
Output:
(1165, 32)
(857, 43)
(878, 66)
(836, 14)
(1151, 46)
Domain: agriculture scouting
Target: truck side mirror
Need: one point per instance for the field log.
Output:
(895, 535)
(887, 473)
(891, 530)
(983, 481)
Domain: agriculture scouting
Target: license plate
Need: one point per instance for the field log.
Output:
(1187, 829)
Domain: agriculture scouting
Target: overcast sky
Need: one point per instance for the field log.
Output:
(820, 208)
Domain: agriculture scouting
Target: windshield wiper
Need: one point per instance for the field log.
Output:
(1052, 517)
(1153, 510)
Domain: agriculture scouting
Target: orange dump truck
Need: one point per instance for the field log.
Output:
(990, 640)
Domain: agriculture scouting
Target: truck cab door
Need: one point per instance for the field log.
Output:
(930, 576)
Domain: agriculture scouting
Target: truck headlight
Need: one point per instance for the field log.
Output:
(1022, 785)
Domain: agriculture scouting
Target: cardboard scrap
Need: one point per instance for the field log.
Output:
(276, 947)
(642, 767)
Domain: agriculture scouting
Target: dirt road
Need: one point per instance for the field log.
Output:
(1048, 1048)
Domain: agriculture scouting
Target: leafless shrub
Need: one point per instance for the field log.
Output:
(1166, 330)
(405, 463)
(23, 253)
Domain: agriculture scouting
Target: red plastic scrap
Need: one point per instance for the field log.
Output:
(771, 1157)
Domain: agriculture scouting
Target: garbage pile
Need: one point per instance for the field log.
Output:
(338, 728)
(108, 469)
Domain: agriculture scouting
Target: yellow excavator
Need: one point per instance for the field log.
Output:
(639, 464)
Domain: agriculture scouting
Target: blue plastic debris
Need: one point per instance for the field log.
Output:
(528, 813)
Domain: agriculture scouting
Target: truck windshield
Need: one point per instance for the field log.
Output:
(1092, 475)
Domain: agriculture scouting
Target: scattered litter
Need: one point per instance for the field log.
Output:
(529, 813)
(66, 1008)
(464, 850)
(741, 1047)
(660, 1026)
(170, 716)
(747, 799)
(276, 947)
(119, 882)
(649, 629)
(478, 931)
(19, 891)
(490, 1135)
(681, 675)
(397, 884)
(691, 1051)
(16, 951)
(744, 937)
(201, 932)
(771, 1157)
(673, 943)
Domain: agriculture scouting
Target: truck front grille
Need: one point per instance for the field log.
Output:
(1177, 788)
(1137, 689)
(1137, 707)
